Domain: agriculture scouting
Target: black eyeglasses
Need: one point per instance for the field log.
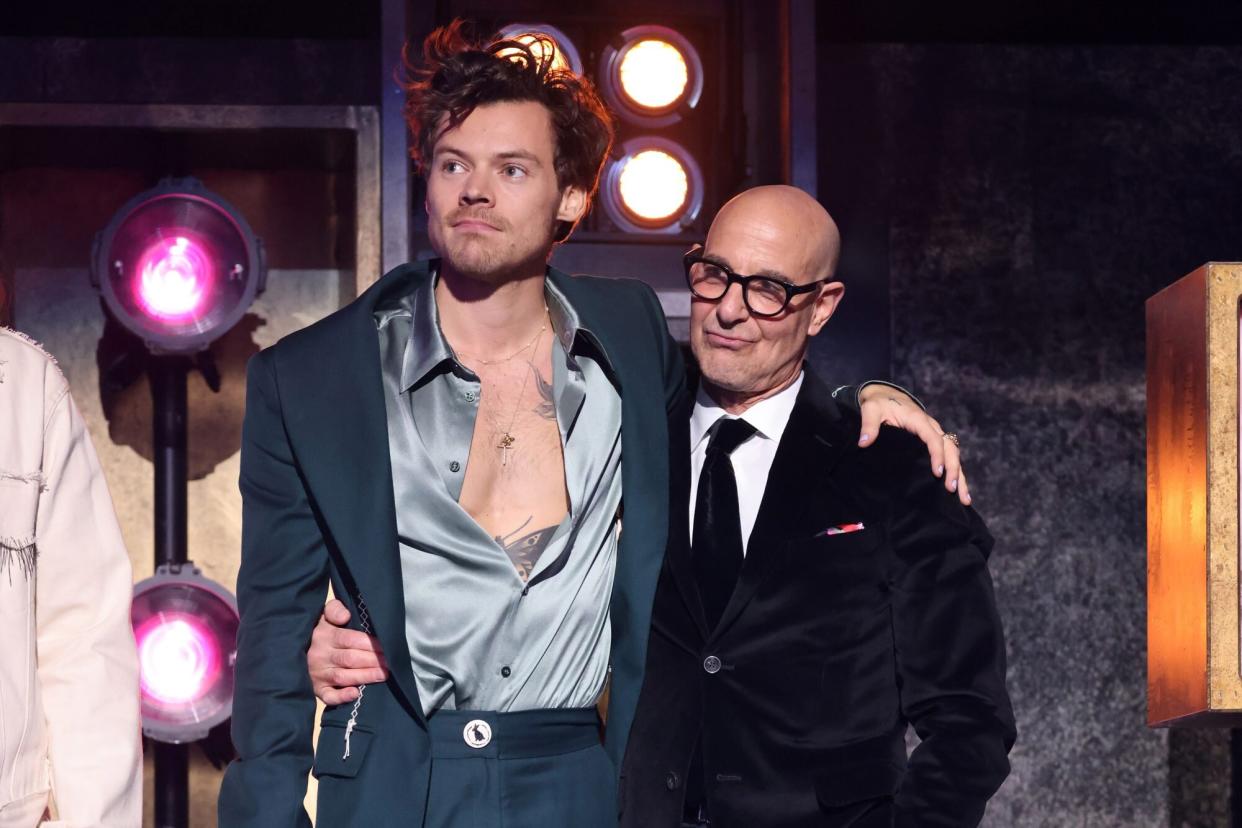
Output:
(763, 295)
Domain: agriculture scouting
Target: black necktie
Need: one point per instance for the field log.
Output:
(717, 548)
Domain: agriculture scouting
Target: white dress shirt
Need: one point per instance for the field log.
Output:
(752, 460)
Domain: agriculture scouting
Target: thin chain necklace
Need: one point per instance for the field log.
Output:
(507, 440)
(538, 334)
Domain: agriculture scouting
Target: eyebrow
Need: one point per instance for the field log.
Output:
(507, 155)
(766, 272)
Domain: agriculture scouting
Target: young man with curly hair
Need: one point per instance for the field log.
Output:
(450, 450)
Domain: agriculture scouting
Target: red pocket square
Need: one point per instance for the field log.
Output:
(843, 529)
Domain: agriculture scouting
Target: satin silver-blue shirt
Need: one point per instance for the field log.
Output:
(480, 637)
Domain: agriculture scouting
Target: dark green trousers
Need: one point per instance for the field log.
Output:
(532, 769)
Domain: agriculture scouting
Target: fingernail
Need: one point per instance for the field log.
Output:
(969, 500)
(939, 470)
(953, 486)
(863, 438)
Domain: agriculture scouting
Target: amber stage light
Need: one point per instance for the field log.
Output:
(655, 186)
(650, 75)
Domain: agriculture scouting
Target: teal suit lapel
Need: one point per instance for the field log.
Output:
(334, 411)
(644, 480)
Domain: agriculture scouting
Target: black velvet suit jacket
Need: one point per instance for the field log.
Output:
(830, 645)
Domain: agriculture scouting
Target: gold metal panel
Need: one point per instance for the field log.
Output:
(1194, 663)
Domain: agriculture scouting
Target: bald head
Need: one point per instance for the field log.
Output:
(780, 216)
(783, 234)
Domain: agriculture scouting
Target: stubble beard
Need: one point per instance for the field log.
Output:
(491, 259)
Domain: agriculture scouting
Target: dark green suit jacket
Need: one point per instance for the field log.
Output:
(317, 498)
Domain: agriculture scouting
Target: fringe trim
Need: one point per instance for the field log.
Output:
(16, 553)
(31, 341)
(27, 477)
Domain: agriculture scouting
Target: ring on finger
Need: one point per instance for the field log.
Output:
(952, 438)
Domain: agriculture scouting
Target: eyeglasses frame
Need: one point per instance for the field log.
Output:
(696, 255)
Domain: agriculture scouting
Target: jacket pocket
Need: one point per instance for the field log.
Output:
(848, 784)
(330, 758)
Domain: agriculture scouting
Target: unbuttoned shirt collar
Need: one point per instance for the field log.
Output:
(429, 353)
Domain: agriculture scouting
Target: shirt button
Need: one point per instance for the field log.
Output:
(505, 671)
(711, 664)
(454, 466)
(672, 781)
(469, 396)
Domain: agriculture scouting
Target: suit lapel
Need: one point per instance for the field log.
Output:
(644, 481)
(335, 414)
(812, 445)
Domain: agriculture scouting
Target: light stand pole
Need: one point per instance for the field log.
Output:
(168, 398)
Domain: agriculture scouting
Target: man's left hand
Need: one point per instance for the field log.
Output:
(880, 404)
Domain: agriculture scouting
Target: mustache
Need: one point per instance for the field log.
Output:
(472, 214)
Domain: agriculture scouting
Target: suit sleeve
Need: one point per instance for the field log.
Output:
(950, 655)
(848, 395)
(87, 665)
(281, 587)
(673, 364)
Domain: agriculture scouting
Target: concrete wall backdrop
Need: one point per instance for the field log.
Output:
(1026, 201)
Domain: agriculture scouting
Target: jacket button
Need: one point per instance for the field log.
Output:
(672, 781)
(711, 664)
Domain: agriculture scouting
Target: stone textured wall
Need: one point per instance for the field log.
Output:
(1036, 196)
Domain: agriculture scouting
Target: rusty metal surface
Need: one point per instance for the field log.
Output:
(1224, 285)
(1177, 610)
(1192, 500)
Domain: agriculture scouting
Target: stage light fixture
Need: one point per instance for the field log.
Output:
(650, 75)
(185, 626)
(537, 36)
(178, 266)
(655, 186)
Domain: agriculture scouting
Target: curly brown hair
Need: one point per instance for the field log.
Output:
(459, 72)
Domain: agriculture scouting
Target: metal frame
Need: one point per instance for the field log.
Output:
(362, 120)
(610, 76)
(614, 204)
(798, 71)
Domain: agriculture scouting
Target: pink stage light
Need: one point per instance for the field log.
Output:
(178, 657)
(174, 276)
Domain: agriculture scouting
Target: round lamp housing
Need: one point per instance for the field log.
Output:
(650, 75)
(653, 186)
(178, 266)
(185, 626)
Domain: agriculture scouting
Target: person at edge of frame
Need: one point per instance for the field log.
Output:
(70, 730)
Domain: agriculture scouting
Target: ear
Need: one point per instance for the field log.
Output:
(573, 204)
(830, 296)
